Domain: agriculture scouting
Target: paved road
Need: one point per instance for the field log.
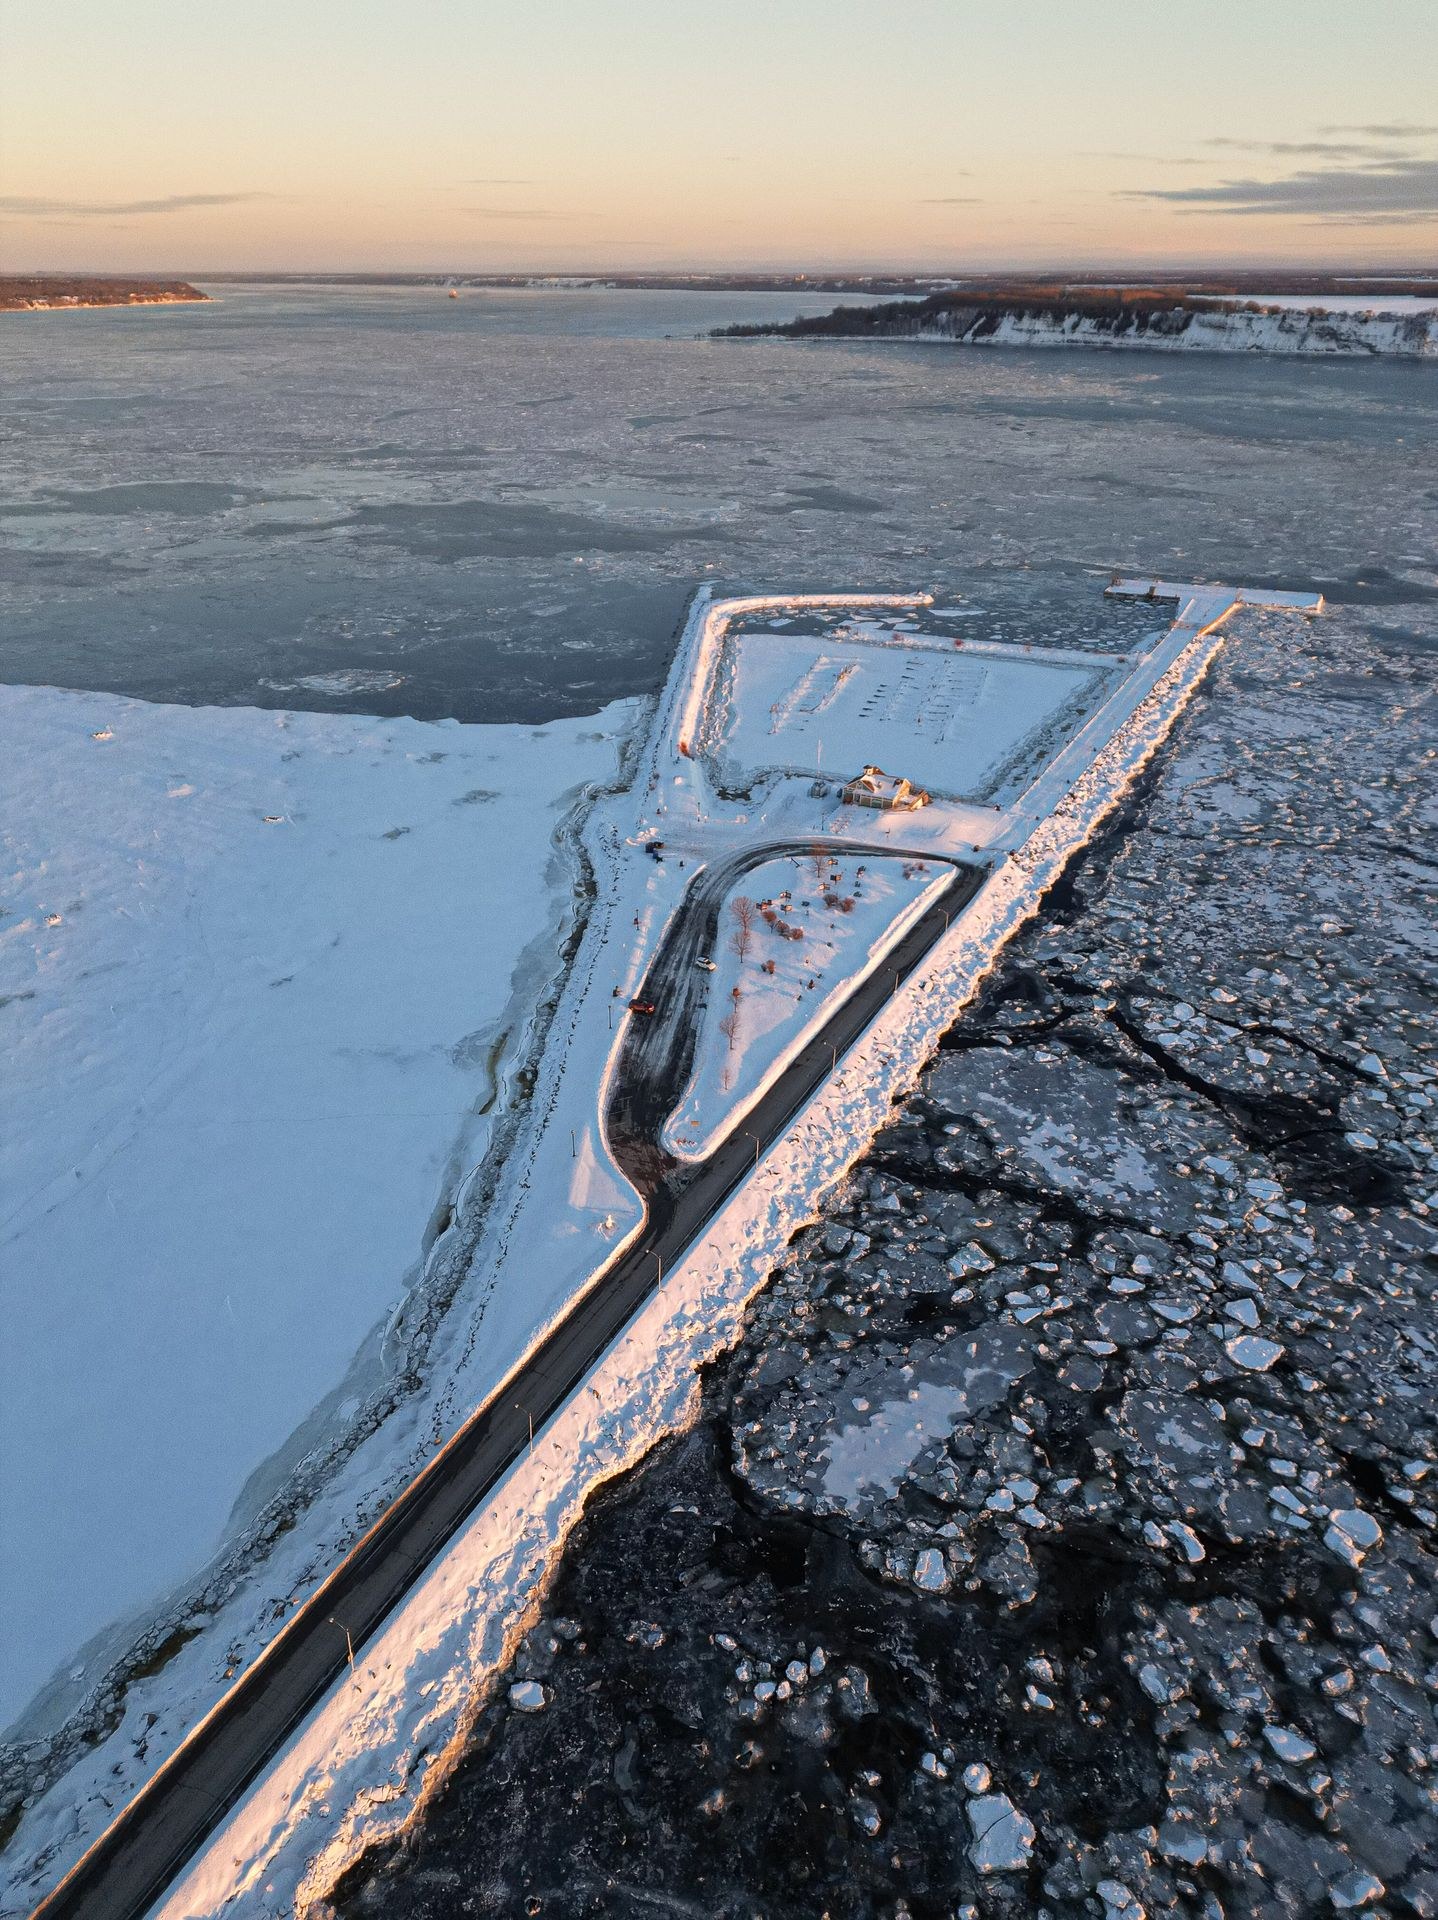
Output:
(133, 1861)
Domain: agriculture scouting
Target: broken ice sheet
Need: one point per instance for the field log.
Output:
(871, 1455)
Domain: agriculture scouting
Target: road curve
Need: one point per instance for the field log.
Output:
(656, 1055)
(150, 1840)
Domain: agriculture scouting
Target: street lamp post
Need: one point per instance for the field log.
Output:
(349, 1644)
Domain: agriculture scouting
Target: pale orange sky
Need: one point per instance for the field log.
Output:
(463, 135)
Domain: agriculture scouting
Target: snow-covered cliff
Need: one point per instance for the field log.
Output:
(1108, 318)
(1189, 330)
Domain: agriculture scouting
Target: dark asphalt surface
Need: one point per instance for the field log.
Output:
(141, 1852)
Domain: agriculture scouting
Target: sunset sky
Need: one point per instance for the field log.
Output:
(459, 134)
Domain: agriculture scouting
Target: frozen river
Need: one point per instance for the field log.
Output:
(494, 508)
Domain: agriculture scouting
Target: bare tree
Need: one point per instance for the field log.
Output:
(743, 910)
(729, 1027)
(819, 859)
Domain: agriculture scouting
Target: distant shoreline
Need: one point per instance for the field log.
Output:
(1245, 284)
(1152, 319)
(56, 293)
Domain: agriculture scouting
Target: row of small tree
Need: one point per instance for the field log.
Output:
(744, 912)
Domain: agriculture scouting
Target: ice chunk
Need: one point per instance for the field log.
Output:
(1251, 1351)
(930, 1573)
(1289, 1744)
(1003, 1837)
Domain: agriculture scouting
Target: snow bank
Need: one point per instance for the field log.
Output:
(262, 978)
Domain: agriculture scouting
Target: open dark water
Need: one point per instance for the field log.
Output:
(495, 508)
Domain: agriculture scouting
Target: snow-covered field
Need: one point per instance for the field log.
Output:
(262, 978)
(816, 927)
(947, 718)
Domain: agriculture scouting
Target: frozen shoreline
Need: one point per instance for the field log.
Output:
(100, 306)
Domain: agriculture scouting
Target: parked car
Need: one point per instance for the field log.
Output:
(707, 964)
(642, 1006)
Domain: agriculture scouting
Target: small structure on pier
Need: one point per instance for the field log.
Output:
(888, 792)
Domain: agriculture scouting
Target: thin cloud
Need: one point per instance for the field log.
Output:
(1389, 130)
(501, 182)
(1320, 149)
(1396, 191)
(1148, 159)
(110, 209)
(1376, 146)
(951, 200)
(514, 213)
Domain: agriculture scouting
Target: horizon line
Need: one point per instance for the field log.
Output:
(1387, 269)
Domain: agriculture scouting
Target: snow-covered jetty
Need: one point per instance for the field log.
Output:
(1025, 751)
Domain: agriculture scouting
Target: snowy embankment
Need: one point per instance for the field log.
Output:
(365, 1759)
(783, 963)
(1240, 330)
(265, 980)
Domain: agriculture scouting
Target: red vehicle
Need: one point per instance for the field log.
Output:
(642, 1006)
